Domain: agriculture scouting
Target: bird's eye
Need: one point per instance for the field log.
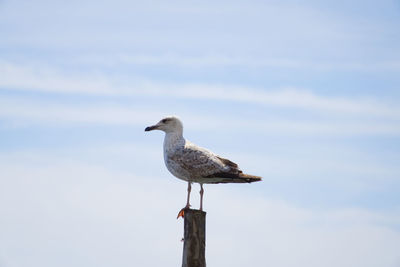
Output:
(164, 120)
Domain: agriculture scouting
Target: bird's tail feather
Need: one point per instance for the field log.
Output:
(225, 177)
(250, 178)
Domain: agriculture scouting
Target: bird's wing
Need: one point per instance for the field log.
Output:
(197, 161)
(200, 162)
(204, 166)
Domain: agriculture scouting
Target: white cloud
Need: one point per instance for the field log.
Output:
(269, 28)
(43, 79)
(23, 112)
(217, 61)
(341, 116)
(279, 234)
(54, 209)
(18, 112)
(287, 98)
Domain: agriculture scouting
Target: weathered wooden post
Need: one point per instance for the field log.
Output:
(194, 245)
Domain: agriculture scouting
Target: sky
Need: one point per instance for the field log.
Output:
(305, 95)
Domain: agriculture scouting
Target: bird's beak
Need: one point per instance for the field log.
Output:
(151, 128)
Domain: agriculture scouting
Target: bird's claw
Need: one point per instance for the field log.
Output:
(182, 212)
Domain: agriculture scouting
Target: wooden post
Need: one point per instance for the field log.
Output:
(194, 245)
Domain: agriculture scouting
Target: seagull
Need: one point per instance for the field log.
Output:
(195, 164)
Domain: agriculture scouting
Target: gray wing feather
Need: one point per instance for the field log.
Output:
(201, 165)
(199, 162)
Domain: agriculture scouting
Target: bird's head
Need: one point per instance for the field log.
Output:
(169, 124)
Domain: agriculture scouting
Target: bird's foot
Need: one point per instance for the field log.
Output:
(182, 211)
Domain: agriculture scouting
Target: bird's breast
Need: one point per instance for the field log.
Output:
(175, 167)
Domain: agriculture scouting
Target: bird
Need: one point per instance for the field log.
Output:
(193, 163)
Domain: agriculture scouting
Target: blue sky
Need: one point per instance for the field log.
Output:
(304, 94)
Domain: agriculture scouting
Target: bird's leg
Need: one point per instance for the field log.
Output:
(201, 196)
(188, 194)
(182, 211)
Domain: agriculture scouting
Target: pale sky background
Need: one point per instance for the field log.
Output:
(304, 94)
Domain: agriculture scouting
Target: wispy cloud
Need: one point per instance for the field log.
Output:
(267, 30)
(339, 241)
(20, 113)
(80, 205)
(44, 80)
(217, 61)
(370, 117)
(288, 98)
(24, 113)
